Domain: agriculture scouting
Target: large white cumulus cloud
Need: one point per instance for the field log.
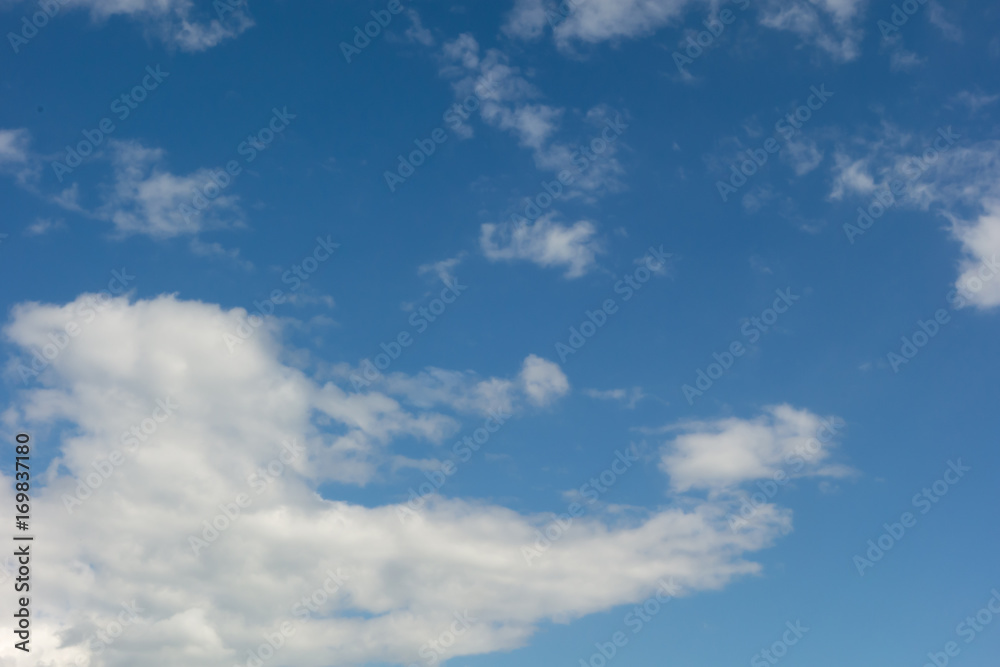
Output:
(404, 581)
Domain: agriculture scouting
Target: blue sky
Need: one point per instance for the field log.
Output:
(687, 307)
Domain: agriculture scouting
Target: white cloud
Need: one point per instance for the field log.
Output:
(42, 226)
(443, 269)
(417, 32)
(213, 249)
(16, 157)
(142, 197)
(975, 100)
(831, 25)
(602, 170)
(803, 154)
(596, 20)
(130, 539)
(14, 146)
(963, 176)
(463, 53)
(850, 177)
(175, 22)
(542, 380)
(506, 101)
(724, 453)
(503, 93)
(981, 246)
(146, 199)
(900, 58)
(627, 397)
(526, 20)
(960, 182)
(544, 242)
(877, 156)
(937, 16)
(533, 124)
